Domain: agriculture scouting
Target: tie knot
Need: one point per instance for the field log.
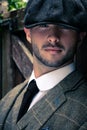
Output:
(32, 87)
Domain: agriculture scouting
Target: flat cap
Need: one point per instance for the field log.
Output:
(67, 13)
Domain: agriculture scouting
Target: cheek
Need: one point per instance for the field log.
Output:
(38, 40)
(34, 39)
(69, 42)
(71, 48)
(36, 43)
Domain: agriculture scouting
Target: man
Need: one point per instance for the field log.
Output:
(55, 29)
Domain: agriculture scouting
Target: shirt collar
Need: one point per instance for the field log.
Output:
(49, 80)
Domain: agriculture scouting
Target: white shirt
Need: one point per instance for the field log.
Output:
(49, 80)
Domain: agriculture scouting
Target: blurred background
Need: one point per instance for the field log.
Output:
(15, 53)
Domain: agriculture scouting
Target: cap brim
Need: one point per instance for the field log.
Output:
(64, 25)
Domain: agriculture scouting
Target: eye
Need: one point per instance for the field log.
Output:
(43, 25)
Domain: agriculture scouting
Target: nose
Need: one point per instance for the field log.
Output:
(53, 39)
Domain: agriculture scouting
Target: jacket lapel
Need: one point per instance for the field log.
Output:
(35, 117)
(41, 111)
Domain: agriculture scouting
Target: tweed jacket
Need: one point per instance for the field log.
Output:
(63, 108)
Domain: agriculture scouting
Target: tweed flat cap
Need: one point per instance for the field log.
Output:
(67, 13)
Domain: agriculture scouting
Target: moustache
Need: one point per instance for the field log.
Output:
(57, 45)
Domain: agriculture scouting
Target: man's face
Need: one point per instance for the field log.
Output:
(53, 46)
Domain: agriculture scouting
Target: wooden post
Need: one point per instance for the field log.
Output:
(0, 64)
(6, 62)
(16, 53)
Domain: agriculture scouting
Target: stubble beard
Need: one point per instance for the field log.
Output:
(58, 63)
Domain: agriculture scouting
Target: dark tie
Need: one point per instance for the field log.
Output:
(31, 91)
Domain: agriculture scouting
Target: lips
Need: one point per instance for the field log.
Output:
(53, 49)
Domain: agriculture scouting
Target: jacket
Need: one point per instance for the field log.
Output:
(63, 108)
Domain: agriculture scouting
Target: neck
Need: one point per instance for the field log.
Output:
(40, 69)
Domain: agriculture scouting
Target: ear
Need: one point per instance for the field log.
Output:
(82, 35)
(28, 34)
